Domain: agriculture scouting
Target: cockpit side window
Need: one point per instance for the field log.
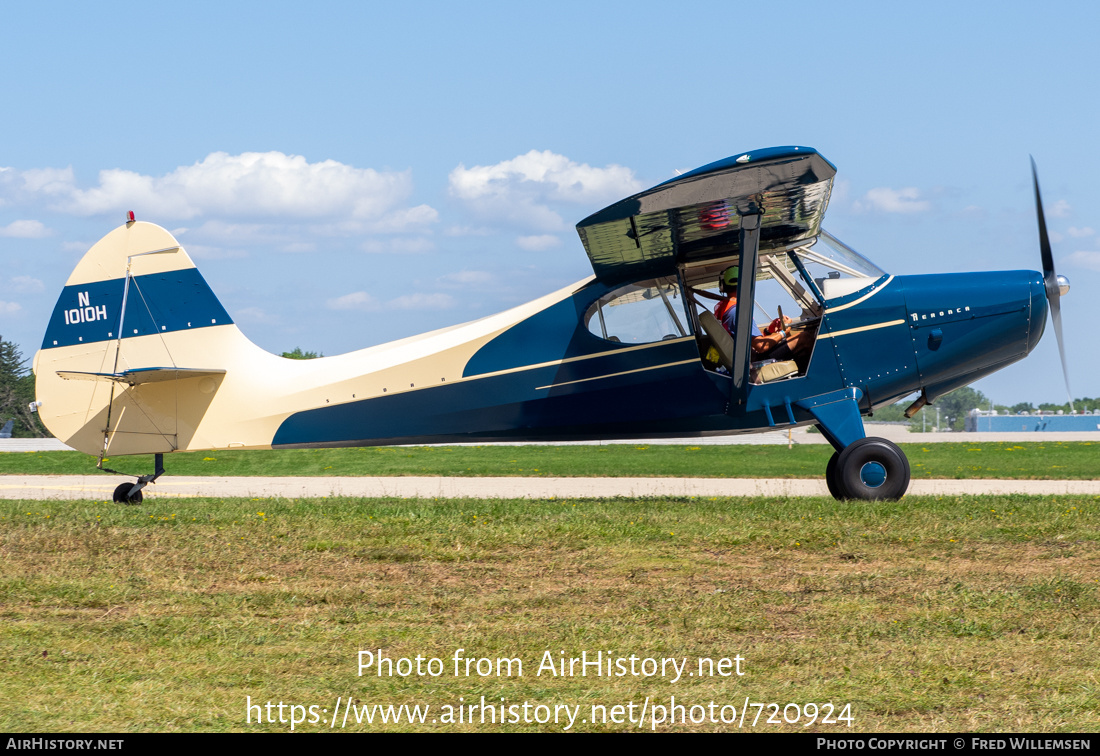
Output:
(640, 313)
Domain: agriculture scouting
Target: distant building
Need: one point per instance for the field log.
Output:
(990, 421)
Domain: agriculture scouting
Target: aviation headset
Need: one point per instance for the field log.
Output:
(729, 280)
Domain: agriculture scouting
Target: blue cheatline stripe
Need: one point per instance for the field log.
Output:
(513, 404)
(179, 300)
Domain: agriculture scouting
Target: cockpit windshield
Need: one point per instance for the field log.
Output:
(834, 268)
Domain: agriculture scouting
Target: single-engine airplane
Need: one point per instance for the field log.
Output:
(140, 357)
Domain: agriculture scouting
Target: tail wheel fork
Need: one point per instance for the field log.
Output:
(130, 493)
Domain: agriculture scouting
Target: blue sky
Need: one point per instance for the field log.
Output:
(349, 173)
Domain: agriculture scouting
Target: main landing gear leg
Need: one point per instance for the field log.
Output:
(130, 493)
(861, 467)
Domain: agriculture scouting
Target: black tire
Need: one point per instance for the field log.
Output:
(122, 494)
(830, 477)
(872, 469)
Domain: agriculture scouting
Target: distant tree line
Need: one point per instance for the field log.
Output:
(17, 393)
(298, 354)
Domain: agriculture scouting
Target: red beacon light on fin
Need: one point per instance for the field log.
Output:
(129, 217)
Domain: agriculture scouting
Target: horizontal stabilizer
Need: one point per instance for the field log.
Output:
(142, 375)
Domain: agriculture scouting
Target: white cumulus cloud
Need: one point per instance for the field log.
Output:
(25, 229)
(256, 315)
(468, 231)
(404, 219)
(538, 243)
(300, 247)
(400, 245)
(227, 232)
(521, 190)
(48, 181)
(26, 284)
(468, 277)
(9, 308)
(249, 184)
(885, 200)
(361, 300)
(256, 185)
(1060, 209)
(357, 300)
(1084, 259)
(1079, 233)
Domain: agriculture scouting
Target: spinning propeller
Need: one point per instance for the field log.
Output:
(1056, 285)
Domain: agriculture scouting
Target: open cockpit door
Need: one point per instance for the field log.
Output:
(697, 217)
(775, 285)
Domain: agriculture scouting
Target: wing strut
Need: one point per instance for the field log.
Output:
(746, 291)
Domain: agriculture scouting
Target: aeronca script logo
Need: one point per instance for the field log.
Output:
(85, 312)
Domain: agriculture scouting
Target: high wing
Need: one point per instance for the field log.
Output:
(697, 216)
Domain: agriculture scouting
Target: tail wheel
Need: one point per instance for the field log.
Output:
(830, 477)
(871, 469)
(122, 494)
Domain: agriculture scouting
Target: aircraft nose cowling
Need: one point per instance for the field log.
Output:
(1038, 310)
(967, 325)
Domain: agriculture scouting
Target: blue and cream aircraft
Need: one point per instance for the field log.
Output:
(141, 358)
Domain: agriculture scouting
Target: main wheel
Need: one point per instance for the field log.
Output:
(830, 477)
(872, 469)
(122, 494)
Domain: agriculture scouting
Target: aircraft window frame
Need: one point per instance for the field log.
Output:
(808, 279)
(839, 261)
(810, 301)
(633, 294)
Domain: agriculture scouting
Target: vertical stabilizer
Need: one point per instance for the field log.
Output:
(135, 302)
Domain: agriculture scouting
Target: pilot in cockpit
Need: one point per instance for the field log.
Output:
(775, 342)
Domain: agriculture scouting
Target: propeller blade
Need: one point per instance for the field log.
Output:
(1049, 276)
(1056, 318)
(1050, 279)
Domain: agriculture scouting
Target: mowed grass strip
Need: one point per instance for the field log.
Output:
(1029, 460)
(931, 614)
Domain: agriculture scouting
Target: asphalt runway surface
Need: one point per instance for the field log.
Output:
(100, 487)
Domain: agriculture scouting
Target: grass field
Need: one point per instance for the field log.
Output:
(931, 614)
(1028, 460)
